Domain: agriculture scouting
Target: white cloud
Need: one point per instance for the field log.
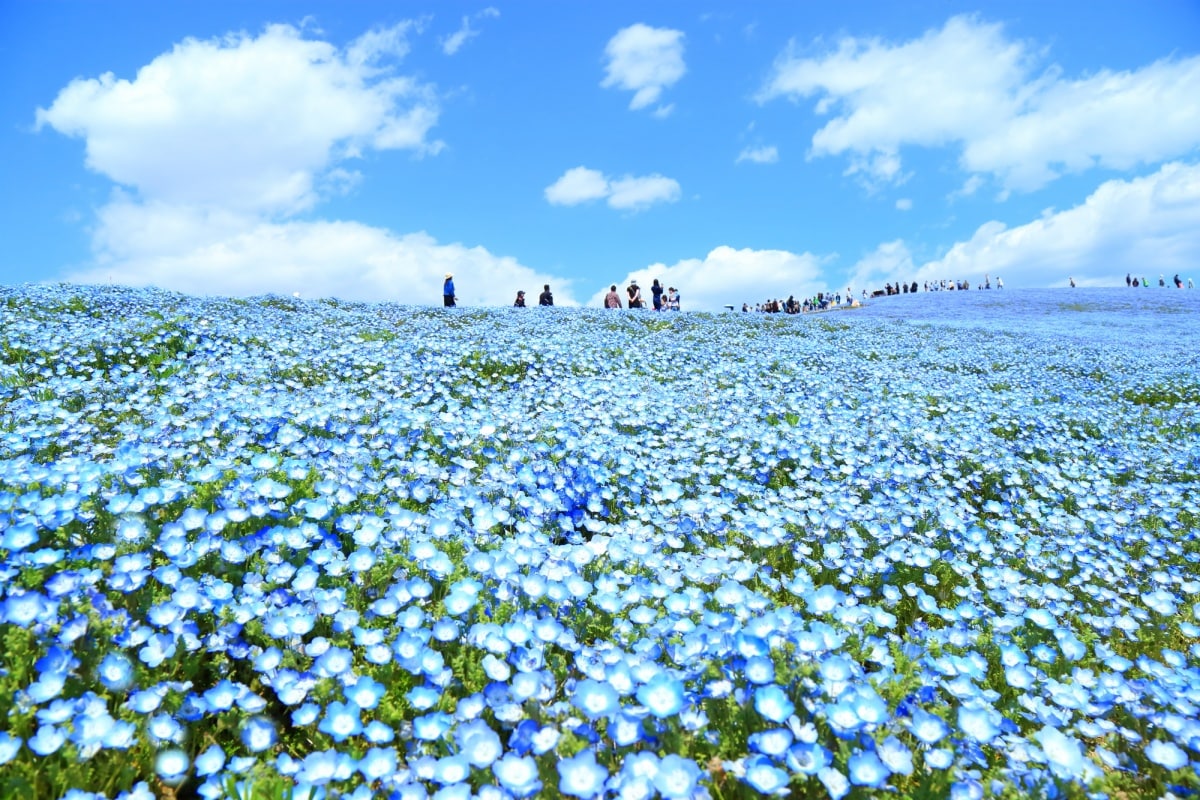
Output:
(644, 60)
(904, 204)
(759, 155)
(452, 43)
(205, 252)
(727, 276)
(636, 194)
(577, 185)
(629, 193)
(970, 86)
(217, 144)
(245, 122)
(1147, 224)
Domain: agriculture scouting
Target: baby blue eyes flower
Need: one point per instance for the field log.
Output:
(258, 734)
(171, 766)
(1166, 754)
(867, 770)
(115, 672)
(581, 776)
(977, 721)
(341, 721)
(517, 774)
(1063, 753)
(764, 777)
(677, 777)
(772, 703)
(595, 698)
(662, 695)
(210, 761)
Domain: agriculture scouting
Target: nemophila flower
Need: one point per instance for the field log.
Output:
(760, 669)
(171, 766)
(807, 758)
(341, 721)
(677, 777)
(517, 774)
(211, 761)
(773, 742)
(431, 726)
(866, 769)
(365, 692)
(9, 747)
(772, 703)
(595, 698)
(1166, 754)
(979, 721)
(761, 775)
(581, 776)
(662, 695)
(258, 734)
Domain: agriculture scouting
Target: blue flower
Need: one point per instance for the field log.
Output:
(662, 695)
(341, 721)
(258, 734)
(517, 774)
(772, 703)
(581, 776)
(595, 698)
(677, 777)
(867, 770)
(763, 776)
(1166, 754)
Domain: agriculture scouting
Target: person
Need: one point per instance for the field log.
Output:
(656, 292)
(1072, 281)
(448, 291)
(999, 282)
(1128, 280)
(520, 301)
(612, 299)
(1135, 283)
(1178, 283)
(673, 298)
(1190, 284)
(545, 298)
(635, 295)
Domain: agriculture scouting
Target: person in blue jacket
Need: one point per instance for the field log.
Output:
(448, 291)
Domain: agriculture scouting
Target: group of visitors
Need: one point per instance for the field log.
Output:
(821, 301)
(661, 299)
(1132, 281)
(546, 298)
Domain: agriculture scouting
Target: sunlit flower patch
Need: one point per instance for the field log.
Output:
(946, 546)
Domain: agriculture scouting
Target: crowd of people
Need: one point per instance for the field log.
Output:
(667, 298)
(1144, 281)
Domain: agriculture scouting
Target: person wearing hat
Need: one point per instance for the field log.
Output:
(448, 291)
(520, 301)
(635, 295)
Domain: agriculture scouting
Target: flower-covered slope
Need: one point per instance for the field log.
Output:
(251, 546)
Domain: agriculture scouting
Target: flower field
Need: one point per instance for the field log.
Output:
(944, 546)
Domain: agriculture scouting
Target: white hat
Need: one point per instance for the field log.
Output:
(449, 275)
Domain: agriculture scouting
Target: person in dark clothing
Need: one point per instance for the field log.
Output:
(1128, 280)
(635, 295)
(448, 291)
(656, 292)
(520, 301)
(545, 298)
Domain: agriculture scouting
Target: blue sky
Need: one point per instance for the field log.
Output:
(739, 151)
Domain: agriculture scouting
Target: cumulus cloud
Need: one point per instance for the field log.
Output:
(728, 276)
(628, 193)
(453, 43)
(645, 61)
(759, 155)
(1150, 223)
(246, 122)
(217, 145)
(577, 185)
(970, 86)
(207, 252)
